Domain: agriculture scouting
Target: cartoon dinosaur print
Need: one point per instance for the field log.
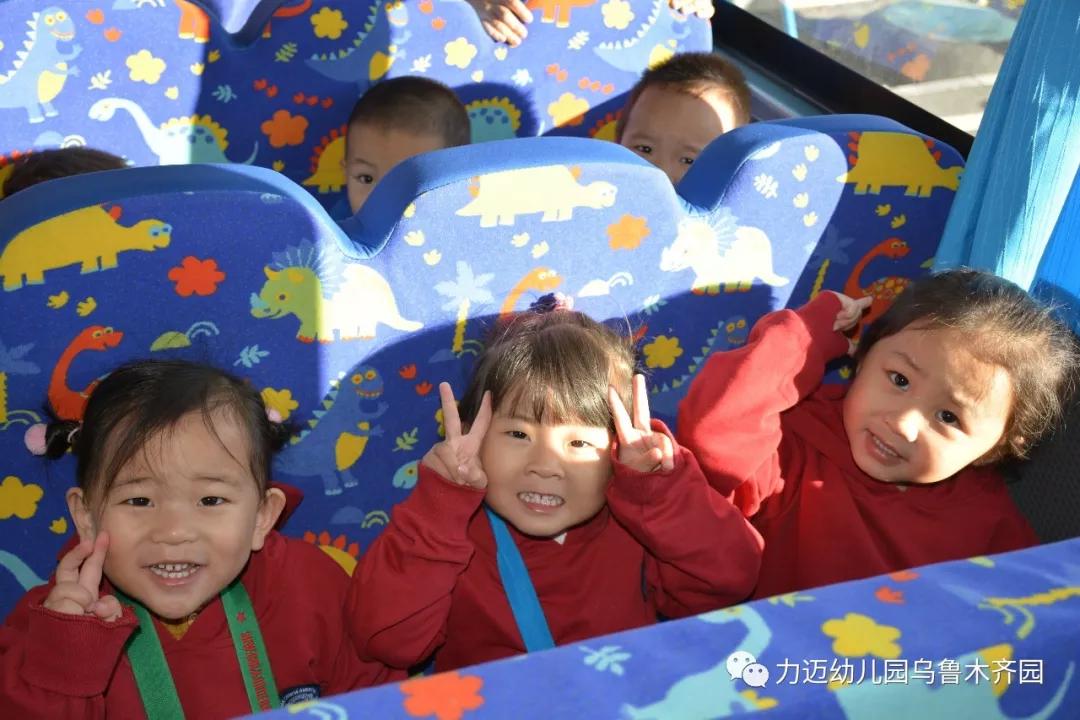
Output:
(69, 404)
(357, 63)
(888, 159)
(711, 693)
(194, 22)
(883, 290)
(963, 699)
(341, 429)
(552, 190)
(664, 400)
(540, 280)
(654, 41)
(177, 141)
(328, 300)
(327, 166)
(721, 252)
(557, 11)
(493, 119)
(89, 236)
(41, 69)
(1008, 605)
(288, 11)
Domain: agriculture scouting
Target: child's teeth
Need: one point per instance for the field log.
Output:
(174, 570)
(540, 499)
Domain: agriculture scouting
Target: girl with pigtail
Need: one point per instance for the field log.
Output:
(180, 598)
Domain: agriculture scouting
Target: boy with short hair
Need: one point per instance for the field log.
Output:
(679, 107)
(43, 165)
(394, 121)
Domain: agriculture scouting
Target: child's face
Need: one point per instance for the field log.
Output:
(670, 128)
(544, 479)
(183, 516)
(922, 408)
(372, 152)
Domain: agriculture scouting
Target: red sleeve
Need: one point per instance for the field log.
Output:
(702, 554)
(730, 418)
(400, 596)
(341, 669)
(56, 665)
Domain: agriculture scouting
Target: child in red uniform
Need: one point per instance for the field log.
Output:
(964, 370)
(175, 515)
(609, 533)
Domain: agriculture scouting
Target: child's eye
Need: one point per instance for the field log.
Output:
(517, 434)
(644, 149)
(212, 501)
(686, 160)
(580, 444)
(948, 417)
(898, 380)
(364, 179)
(137, 502)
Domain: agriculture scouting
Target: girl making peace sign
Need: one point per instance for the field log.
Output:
(537, 519)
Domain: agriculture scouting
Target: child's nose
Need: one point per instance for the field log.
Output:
(907, 423)
(544, 461)
(173, 526)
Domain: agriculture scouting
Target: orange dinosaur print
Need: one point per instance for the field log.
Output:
(883, 290)
(558, 11)
(194, 23)
(66, 403)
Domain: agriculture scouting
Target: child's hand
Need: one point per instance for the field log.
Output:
(78, 577)
(640, 448)
(458, 457)
(504, 20)
(702, 8)
(851, 312)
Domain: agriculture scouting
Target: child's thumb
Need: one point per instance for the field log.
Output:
(107, 608)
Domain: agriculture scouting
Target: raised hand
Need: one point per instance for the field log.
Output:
(78, 577)
(503, 20)
(457, 458)
(639, 447)
(851, 311)
(702, 8)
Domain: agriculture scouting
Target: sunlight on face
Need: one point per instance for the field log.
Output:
(372, 152)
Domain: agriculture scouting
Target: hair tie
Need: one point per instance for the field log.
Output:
(34, 437)
(71, 435)
(273, 415)
(553, 302)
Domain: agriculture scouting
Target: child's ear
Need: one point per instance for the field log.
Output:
(267, 514)
(80, 514)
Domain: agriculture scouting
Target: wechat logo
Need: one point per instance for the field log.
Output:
(744, 666)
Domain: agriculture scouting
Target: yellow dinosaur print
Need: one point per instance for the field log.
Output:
(552, 190)
(888, 159)
(89, 236)
(1006, 606)
(328, 169)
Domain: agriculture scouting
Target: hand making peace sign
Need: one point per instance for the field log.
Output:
(640, 448)
(78, 577)
(457, 458)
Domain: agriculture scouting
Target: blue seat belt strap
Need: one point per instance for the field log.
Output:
(519, 589)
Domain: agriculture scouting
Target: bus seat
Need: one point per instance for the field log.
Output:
(347, 330)
(271, 83)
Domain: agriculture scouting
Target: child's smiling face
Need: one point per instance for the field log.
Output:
(922, 407)
(183, 516)
(545, 478)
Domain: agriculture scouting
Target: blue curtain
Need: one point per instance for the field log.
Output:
(1058, 277)
(1026, 154)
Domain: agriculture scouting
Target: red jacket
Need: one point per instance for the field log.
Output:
(766, 439)
(54, 665)
(430, 582)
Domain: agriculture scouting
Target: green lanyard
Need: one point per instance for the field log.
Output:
(151, 670)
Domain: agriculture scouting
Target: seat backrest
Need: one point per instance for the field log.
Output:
(347, 332)
(160, 82)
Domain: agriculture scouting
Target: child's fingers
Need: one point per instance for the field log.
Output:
(107, 608)
(70, 599)
(864, 302)
(641, 404)
(521, 11)
(624, 427)
(508, 18)
(480, 423)
(667, 452)
(451, 419)
(491, 29)
(90, 573)
(67, 570)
